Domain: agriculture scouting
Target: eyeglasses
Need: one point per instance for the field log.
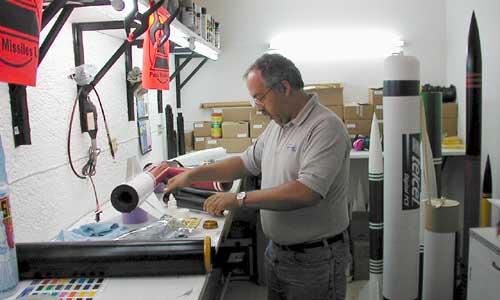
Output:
(260, 99)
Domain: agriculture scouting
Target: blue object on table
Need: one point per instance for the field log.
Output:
(92, 231)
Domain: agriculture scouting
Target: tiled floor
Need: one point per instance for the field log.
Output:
(246, 290)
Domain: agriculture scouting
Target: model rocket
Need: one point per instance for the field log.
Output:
(127, 196)
(401, 177)
(472, 162)
(485, 204)
(373, 289)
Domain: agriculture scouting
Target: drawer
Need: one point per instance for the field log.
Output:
(484, 272)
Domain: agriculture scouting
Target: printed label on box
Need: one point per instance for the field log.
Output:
(351, 125)
(218, 110)
(379, 106)
(212, 142)
(257, 126)
(242, 135)
(199, 139)
(198, 125)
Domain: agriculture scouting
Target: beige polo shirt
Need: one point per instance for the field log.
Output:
(314, 149)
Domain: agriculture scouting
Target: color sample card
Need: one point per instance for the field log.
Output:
(65, 289)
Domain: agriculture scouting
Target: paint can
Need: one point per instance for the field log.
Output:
(216, 126)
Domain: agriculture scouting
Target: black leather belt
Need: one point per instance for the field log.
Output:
(320, 243)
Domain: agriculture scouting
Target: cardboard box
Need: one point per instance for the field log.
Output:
(199, 143)
(338, 110)
(188, 141)
(375, 96)
(232, 129)
(358, 111)
(449, 127)
(381, 127)
(257, 127)
(258, 116)
(234, 113)
(235, 145)
(449, 110)
(329, 93)
(379, 111)
(201, 128)
(358, 127)
(212, 143)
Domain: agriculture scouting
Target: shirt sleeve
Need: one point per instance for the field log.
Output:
(252, 157)
(323, 156)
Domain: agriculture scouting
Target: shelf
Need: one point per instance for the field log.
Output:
(186, 38)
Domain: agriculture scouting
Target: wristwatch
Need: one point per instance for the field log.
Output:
(241, 196)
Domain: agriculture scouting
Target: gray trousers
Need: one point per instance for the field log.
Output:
(315, 273)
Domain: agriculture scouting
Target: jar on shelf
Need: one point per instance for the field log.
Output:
(216, 126)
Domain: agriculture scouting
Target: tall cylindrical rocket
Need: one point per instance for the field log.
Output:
(487, 190)
(472, 162)
(401, 177)
(373, 289)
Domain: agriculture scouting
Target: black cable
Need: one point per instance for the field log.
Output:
(69, 136)
(105, 123)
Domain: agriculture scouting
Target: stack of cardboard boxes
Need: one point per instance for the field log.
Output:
(331, 95)
(358, 118)
(240, 128)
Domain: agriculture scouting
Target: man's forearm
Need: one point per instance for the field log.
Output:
(223, 171)
(288, 196)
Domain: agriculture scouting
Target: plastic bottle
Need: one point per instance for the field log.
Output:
(203, 25)
(9, 277)
(217, 34)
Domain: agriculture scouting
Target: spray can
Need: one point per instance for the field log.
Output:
(9, 277)
(217, 34)
(216, 126)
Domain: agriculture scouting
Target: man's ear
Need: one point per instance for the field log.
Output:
(287, 88)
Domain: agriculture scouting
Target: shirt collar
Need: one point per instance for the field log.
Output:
(306, 110)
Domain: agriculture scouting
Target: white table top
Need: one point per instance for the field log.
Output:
(155, 288)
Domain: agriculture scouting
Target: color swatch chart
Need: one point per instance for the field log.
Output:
(65, 289)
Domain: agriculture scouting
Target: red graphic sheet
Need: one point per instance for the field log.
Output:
(156, 73)
(19, 34)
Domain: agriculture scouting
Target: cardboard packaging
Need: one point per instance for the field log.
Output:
(234, 113)
(212, 143)
(375, 96)
(232, 129)
(258, 116)
(358, 111)
(201, 128)
(257, 127)
(379, 111)
(449, 110)
(199, 143)
(449, 127)
(381, 127)
(329, 93)
(188, 141)
(338, 110)
(235, 145)
(358, 127)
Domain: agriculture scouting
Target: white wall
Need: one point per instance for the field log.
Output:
(248, 26)
(458, 15)
(45, 195)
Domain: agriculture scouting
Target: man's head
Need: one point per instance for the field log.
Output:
(275, 85)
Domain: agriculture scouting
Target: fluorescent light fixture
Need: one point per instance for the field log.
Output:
(337, 44)
(204, 50)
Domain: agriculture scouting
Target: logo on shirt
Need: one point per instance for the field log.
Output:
(292, 148)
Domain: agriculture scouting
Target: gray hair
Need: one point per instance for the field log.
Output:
(275, 68)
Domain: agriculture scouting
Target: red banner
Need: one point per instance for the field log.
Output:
(19, 34)
(156, 74)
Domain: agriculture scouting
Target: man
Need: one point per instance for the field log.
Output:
(303, 157)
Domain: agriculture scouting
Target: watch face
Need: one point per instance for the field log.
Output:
(241, 195)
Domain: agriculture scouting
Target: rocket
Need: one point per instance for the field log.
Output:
(127, 196)
(472, 162)
(485, 204)
(373, 289)
(401, 177)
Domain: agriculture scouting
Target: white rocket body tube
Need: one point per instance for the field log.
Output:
(402, 174)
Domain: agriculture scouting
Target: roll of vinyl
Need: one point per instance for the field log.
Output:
(433, 104)
(401, 177)
(113, 258)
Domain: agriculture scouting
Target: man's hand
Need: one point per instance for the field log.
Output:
(216, 204)
(179, 181)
